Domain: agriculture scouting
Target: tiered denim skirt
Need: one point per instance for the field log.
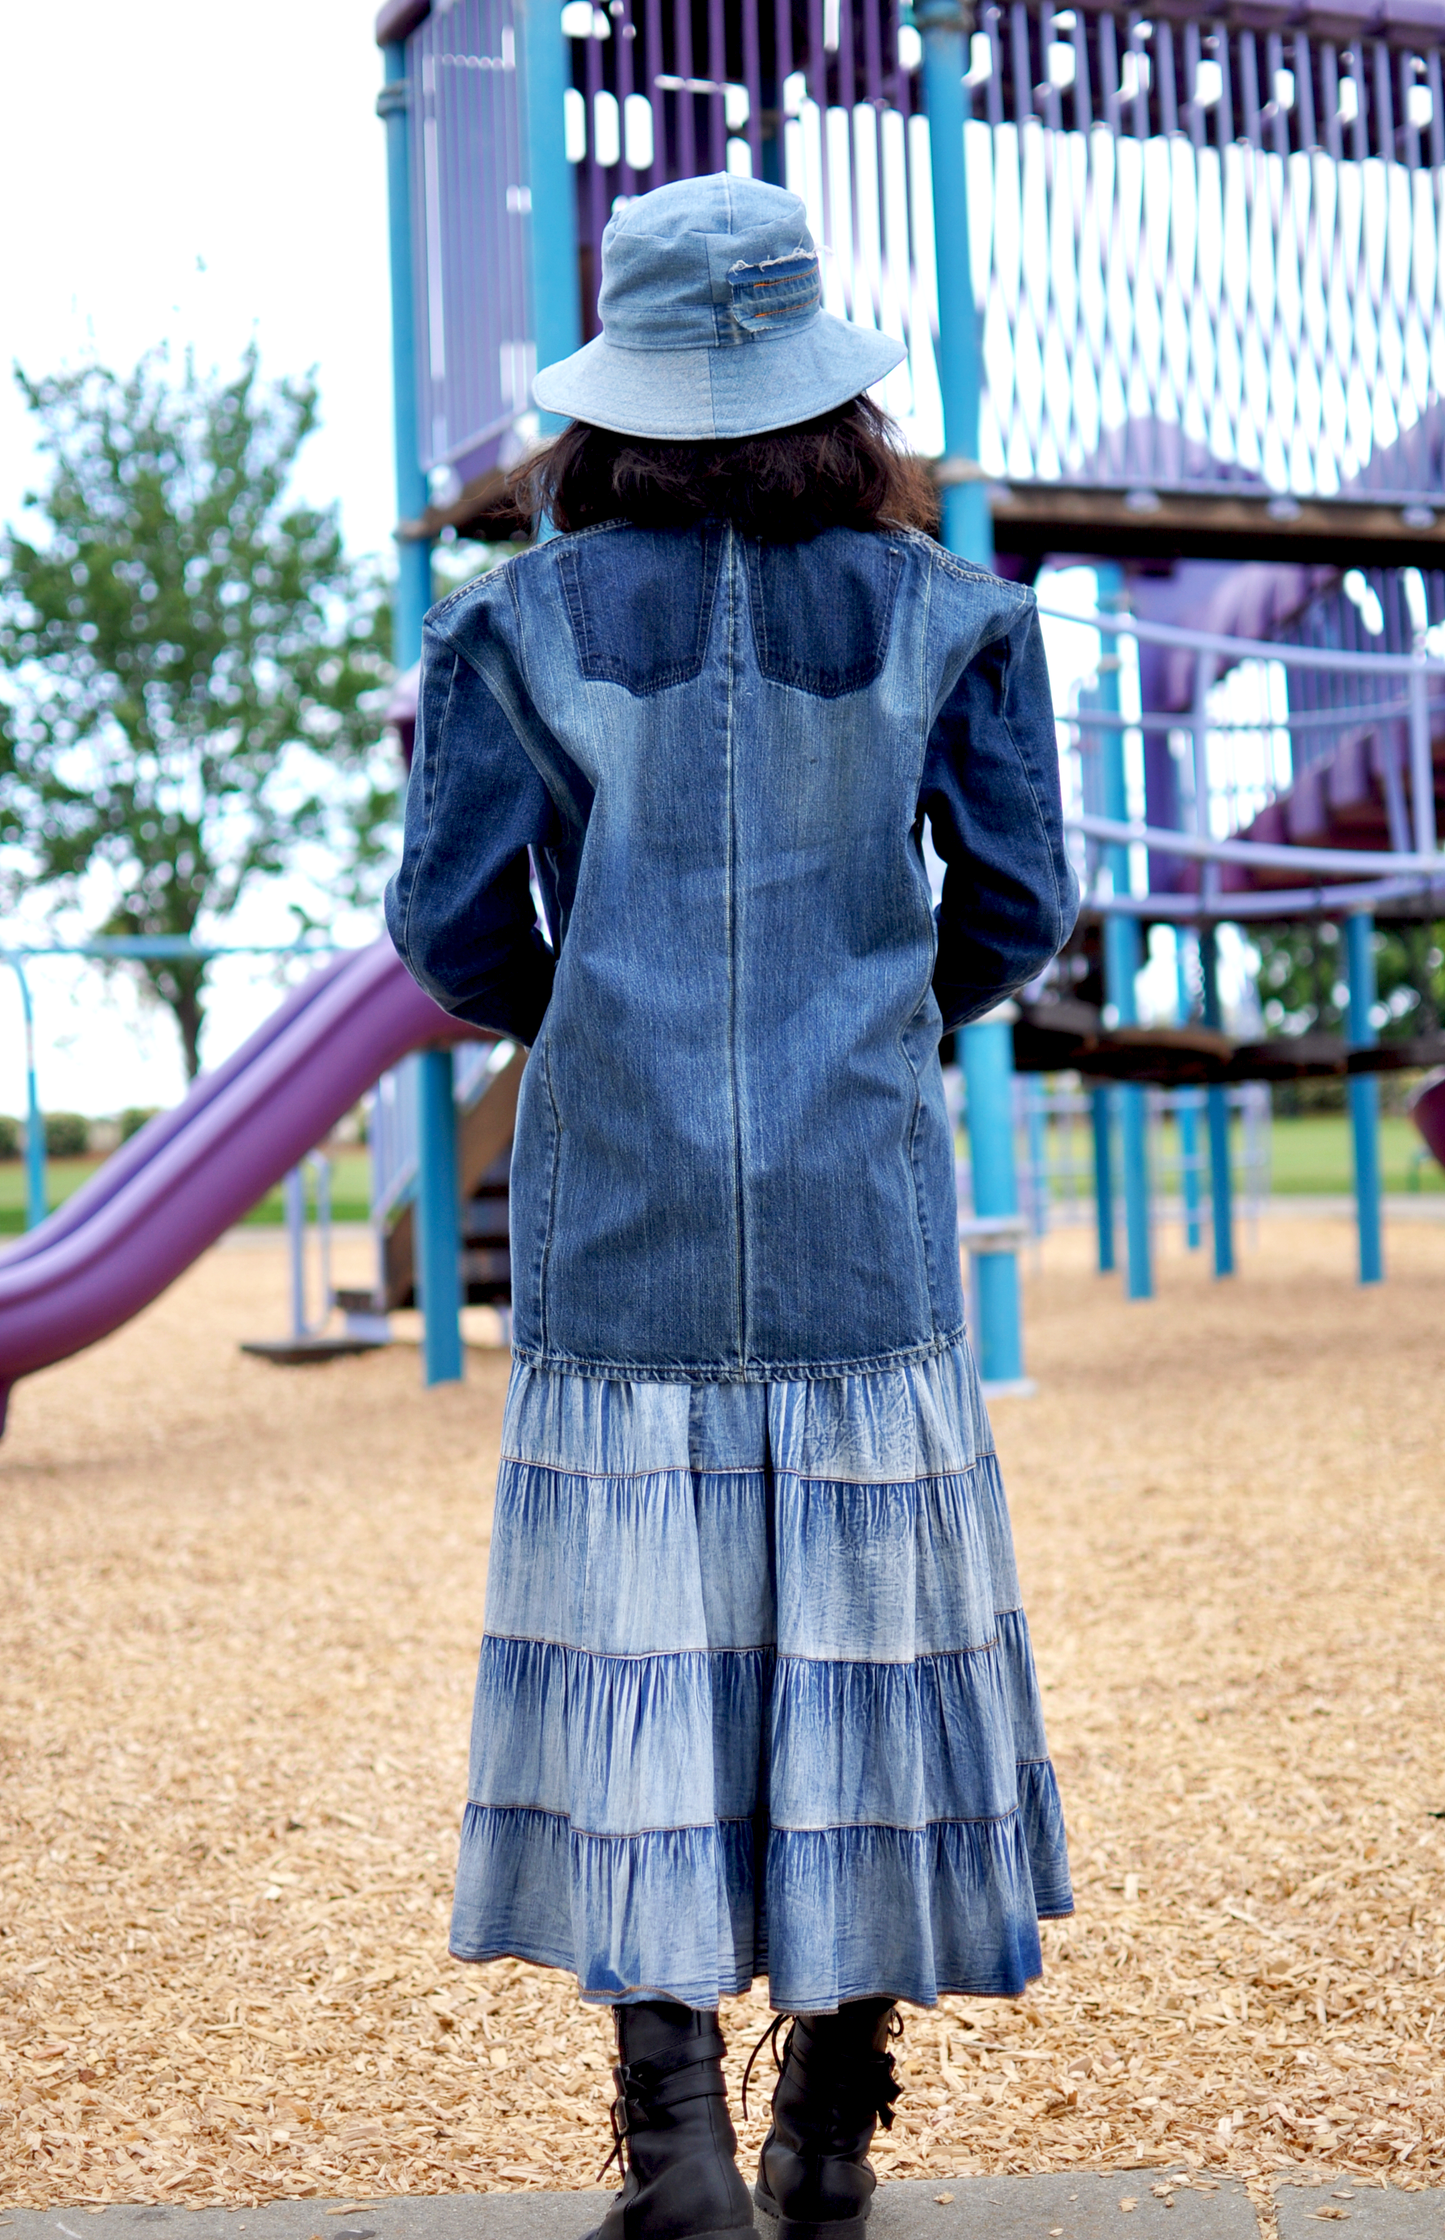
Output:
(756, 1695)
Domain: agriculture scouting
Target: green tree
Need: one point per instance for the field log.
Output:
(1302, 985)
(194, 666)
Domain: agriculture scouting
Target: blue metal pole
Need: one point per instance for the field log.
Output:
(1365, 1094)
(1038, 1128)
(1103, 1179)
(1187, 1109)
(413, 559)
(556, 309)
(1221, 1182)
(967, 526)
(438, 1245)
(294, 1191)
(987, 1046)
(988, 1076)
(438, 1259)
(1121, 966)
(35, 1206)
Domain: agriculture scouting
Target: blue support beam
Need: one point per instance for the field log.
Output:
(1365, 1095)
(438, 1258)
(413, 558)
(1103, 1178)
(1122, 959)
(988, 1078)
(438, 1245)
(986, 1048)
(35, 1205)
(1221, 1181)
(1188, 1107)
(556, 306)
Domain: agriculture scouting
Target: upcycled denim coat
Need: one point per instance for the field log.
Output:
(756, 1689)
(732, 1157)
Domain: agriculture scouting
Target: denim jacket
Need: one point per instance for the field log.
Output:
(711, 760)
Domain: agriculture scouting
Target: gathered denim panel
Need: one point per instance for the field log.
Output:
(674, 1913)
(756, 1692)
(946, 1909)
(621, 1745)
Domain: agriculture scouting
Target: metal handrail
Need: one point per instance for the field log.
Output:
(1251, 649)
(1164, 840)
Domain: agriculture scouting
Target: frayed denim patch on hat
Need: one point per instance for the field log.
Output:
(785, 289)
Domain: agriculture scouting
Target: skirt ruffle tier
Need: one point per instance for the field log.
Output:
(756, 1695)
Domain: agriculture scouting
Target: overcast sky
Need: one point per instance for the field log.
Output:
(174, 172)
(184, 174)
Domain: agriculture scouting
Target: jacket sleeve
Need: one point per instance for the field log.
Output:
(460, 909)
(990, 792)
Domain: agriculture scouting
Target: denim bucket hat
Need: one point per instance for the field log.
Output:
(712, 324)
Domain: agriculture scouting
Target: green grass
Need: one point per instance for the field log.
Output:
(1311, 1159)
(350, 1190)
(1312, 1156)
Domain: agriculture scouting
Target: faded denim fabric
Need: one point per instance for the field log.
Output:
(756, 1694)
(732, 1160)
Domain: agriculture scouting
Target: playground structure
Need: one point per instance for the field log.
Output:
(1218, 376)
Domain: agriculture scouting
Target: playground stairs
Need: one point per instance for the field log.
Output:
(1354, 797)
(1072, 2205)
(484, 1141)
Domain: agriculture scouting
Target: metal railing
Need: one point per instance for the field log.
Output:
(1373, 692)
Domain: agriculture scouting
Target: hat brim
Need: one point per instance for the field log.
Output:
(710, 395)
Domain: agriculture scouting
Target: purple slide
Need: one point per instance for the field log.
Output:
(172, 1190)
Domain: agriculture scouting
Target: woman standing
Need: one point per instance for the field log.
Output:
(756, 1691)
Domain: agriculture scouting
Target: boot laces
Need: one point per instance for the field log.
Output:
(876, 2088)
(636, 2083)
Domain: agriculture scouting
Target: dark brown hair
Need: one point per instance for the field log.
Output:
(844, 470)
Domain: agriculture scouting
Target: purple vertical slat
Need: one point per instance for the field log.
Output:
(816, 76)
(1083, 94)
(1022, 72)
(1052, 99)
(1304, 93)
(1408, 126)
(1141, 91)
(1108, 73)
(1164, 79)
(1191, 79)
(1436, 82)
(1274, 63)
(753, 80)
(993, 19)
(652, 70)
(686, 113)
(598, 195)
(1360, 130)
(847, 101)
(717, 70)
(1384, 105)
(1224, 111)
(896, 88)
(1249, 88)
(1330, 90)
(624, 32)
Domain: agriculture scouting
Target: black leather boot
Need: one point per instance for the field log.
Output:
(674, 2139)
(836, 2085)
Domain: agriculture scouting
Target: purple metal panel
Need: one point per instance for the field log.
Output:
(471, 196)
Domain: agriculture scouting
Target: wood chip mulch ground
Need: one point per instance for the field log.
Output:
(238, 1626)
